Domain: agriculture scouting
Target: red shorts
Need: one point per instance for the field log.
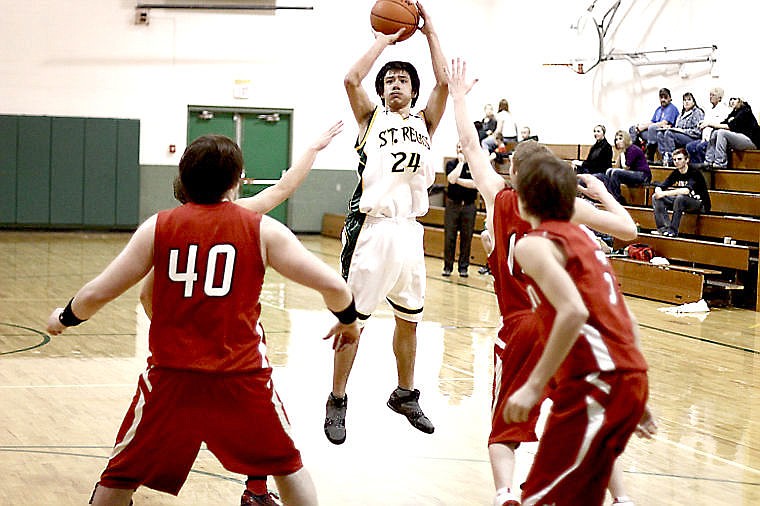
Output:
(238, 416)
(515, 354)
(590, 423)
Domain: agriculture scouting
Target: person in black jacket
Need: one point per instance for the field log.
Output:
(599, 157)
(738, 131)
(459, 216)
(684, 190)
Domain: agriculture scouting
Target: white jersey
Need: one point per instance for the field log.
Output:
(396, 173)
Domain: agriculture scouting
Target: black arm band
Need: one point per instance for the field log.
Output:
(348, 315)
(67, 316)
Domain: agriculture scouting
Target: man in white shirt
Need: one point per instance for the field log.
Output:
(717, 114)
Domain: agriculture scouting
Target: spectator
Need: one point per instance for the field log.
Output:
(525, 135)
(459, 215)
(630, 166)
(716, 114)
(599, 157)
(505, 125)
(685, 131)
(684, 190)
(487, 125)
(499, 152)
(665, 115)
(739, 131)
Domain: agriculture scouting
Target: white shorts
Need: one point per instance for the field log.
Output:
(389, 262)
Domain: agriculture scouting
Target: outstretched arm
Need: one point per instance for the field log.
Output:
(281, 250)
(361, 105)
(268, 199)
(487, 181)
(129, 267)
(436, 104)
(613, 220)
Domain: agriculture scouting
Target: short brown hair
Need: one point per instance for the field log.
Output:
(547, 187)
(525, 150)
(210, 166)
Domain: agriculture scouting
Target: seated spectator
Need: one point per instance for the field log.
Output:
(739, 131)
(686, 129)
(629, 166)
(684, 190)
(665, 115)
(505, 125)
(499, 151)
(525, 135)
(487, 124)
(599, 157)
(716, 114)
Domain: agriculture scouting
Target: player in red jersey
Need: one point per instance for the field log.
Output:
(256, 491)
(515, 350)
(592, 350)
(208, 375)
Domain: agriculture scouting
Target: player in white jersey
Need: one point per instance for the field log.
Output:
(383, 254)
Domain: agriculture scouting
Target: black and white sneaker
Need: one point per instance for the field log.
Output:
(406, 402)
(335, 419)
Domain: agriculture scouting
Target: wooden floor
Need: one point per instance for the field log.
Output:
(62, 399)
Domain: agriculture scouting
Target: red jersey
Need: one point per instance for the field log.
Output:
(606, 342)
(509, 284)
(208, 278)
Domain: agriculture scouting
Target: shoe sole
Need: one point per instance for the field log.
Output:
(421, 429)
(335, 441)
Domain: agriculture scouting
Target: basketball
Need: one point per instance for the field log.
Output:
(389, 16)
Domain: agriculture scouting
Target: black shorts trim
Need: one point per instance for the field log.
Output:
(402, 309)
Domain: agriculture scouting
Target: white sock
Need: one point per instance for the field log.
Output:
(502, 495)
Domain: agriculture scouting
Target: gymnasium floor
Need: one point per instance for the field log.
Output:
(62, 399)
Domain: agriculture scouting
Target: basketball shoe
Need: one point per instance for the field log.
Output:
(406, 402)
(251, 499)
(335, 419)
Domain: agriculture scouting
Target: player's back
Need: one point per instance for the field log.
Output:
(208, 278)
(607, 341)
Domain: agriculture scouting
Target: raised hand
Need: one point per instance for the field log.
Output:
(324, 139)
(457, 78)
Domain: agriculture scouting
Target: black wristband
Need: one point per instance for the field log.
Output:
(348, 315)
(67, 316)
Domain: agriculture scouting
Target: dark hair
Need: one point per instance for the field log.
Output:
(398, 65)
(525, 150)
(691, 96)
(503, 105)
(664, 91)
(210, 166)
(547, 187)
(681, 151)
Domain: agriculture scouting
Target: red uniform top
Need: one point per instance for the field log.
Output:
(606, 342)
(208, 278)
(508, 227)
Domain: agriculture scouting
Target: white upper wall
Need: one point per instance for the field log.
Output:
(89, 58)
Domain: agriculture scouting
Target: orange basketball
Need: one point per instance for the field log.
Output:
(389, 16)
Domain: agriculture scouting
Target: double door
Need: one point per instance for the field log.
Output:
(264, 136)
